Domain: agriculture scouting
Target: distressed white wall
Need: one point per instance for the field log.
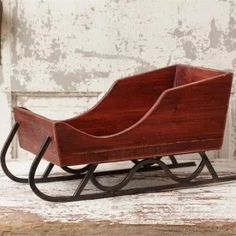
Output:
(59, 55)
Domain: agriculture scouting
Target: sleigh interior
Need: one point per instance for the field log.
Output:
(177, 109)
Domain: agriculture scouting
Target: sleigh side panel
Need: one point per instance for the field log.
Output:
(193, 114)
(185, 119)
(128, 100)
(33, 131)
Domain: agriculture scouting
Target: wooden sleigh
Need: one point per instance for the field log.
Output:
(174, 110)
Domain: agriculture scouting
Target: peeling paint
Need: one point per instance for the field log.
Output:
(214, 35)
(67, 80)
(234, 63)
(83, 46)
(1, 78)
(180, 31)
(39, 35)
(230, 37)
(190, 50)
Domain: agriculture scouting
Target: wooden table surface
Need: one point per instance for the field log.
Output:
(204, 210)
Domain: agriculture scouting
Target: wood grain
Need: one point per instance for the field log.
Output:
(33, 131)
(178, 109)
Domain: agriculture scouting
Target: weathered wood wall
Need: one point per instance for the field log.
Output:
(59, 55)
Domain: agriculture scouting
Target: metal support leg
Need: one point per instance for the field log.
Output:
(209, 165)
(3, 156)
(47, 171)
(33, 169)
(85, 181)
(10, 175)
(46, 197)
(173, 160)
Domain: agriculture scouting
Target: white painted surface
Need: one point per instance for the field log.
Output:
(69, 46)
(208, 204)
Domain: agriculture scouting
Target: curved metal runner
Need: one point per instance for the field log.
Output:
(143, 163)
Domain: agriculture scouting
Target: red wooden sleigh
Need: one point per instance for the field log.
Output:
(174, 110)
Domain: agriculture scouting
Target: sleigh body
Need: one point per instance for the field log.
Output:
(174, 110)
(178, 109)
